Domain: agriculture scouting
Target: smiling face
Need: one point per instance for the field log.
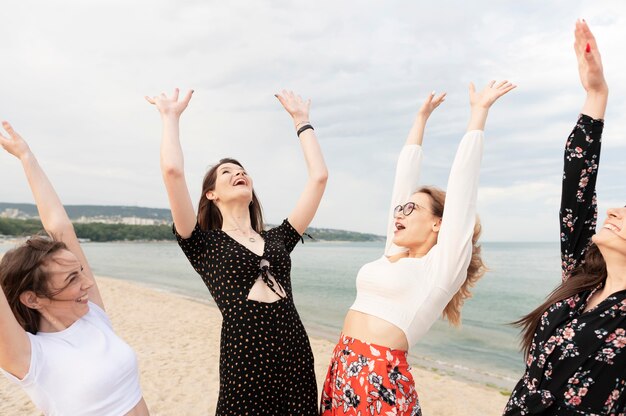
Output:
(232, 183)
(418, 229)
(68, 288)
(612, 235)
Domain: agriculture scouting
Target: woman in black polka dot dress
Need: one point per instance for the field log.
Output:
(266, 362)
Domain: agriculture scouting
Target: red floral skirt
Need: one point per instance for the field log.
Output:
(366, 379)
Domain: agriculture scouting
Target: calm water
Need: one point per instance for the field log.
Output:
(323, 275)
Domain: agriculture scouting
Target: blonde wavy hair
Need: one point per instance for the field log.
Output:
(476, 268)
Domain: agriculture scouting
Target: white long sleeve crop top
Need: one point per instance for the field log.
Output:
(411, 293)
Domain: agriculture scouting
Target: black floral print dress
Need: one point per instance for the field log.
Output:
(577, 361)
(266, 361)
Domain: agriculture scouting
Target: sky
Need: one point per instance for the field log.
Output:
(74, 74)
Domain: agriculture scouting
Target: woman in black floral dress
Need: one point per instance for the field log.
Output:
(576, 341)
(266, 361)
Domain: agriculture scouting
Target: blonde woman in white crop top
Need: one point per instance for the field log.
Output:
(430, 262)
(56, 340)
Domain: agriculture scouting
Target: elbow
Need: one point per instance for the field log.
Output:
(321, 177)
(59, 227)
(171, 172)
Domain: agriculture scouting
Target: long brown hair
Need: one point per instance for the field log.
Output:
(21, 269)
(588, 275)
(209, 215)
(476, 268)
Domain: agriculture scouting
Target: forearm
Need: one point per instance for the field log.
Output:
(51, 210)
(478, 118)
(316, 166)
(172, 160)
(416, 134)
(595, 103)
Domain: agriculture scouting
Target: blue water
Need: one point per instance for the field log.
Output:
(323, 275)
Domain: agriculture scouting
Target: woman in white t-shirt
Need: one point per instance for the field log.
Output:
(56, 340)
(430, 262)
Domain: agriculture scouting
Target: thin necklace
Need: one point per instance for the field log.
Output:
(251, 239)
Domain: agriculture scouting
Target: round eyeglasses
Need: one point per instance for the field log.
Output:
(408, 208)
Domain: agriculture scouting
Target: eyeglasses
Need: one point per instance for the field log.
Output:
(408, 208)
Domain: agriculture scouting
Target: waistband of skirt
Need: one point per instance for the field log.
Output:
(370, 350)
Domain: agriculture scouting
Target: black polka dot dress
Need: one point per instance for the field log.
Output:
(266, 361)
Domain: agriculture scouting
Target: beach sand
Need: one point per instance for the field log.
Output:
(177, 343)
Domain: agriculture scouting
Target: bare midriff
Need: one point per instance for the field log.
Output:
(140, 409)
(369, 328)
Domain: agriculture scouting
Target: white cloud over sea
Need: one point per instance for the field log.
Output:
(74, 75)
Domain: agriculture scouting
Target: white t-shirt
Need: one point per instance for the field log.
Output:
(412, 293)
(84, 370)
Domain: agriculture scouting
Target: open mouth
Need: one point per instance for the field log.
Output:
(240, 181)
(83, 299)
(399, 226)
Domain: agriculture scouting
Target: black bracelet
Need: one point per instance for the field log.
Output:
(303, 128)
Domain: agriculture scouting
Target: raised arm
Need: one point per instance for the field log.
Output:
(457, 225)
(53, 216)
(408, 167)
(309, 200)
(172, 162)
(579, 210)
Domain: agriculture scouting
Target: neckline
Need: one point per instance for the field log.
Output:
(244, 247)
(602, 302)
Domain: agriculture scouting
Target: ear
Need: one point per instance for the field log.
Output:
(436, 225)
(211, 196)
(30, 299)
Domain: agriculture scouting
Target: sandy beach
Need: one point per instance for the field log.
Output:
(177, 343)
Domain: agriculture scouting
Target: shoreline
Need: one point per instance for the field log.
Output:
(176, 339)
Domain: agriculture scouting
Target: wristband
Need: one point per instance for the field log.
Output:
(303, 128)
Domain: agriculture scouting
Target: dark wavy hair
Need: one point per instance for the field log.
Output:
(21, 269)
(589, 274)
(209, 215)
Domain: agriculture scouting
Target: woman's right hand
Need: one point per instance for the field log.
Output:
(430, 103)
(13, 144)
(170, 106)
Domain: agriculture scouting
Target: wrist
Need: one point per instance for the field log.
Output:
(26, 156)
(300, 119)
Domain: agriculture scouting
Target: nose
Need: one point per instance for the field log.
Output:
(87, 283)
(615, 212)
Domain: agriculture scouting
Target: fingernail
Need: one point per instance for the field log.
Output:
(588, 48)
(432, 93)
(276, 95)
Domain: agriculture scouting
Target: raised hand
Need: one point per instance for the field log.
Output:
(295, 105)
(14, 144)
(170, 106)
(430, 103)
(489, 94)
(589, 60)
(481, 102)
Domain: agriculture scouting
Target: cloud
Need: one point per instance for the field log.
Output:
(75, 74)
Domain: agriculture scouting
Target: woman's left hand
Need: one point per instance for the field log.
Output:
(295, 105)
(13, 144)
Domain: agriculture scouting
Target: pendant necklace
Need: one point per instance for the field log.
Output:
(251, 239)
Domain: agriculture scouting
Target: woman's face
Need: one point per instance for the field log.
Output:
(69, 286)
(231, 183)
(419, 226)
(612, 234)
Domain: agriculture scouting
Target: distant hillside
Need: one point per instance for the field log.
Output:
(109, 223)
(78, 211)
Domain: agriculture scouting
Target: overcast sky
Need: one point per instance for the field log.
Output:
(74, 74)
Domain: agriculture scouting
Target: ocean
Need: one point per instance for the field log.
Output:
(485, 349)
